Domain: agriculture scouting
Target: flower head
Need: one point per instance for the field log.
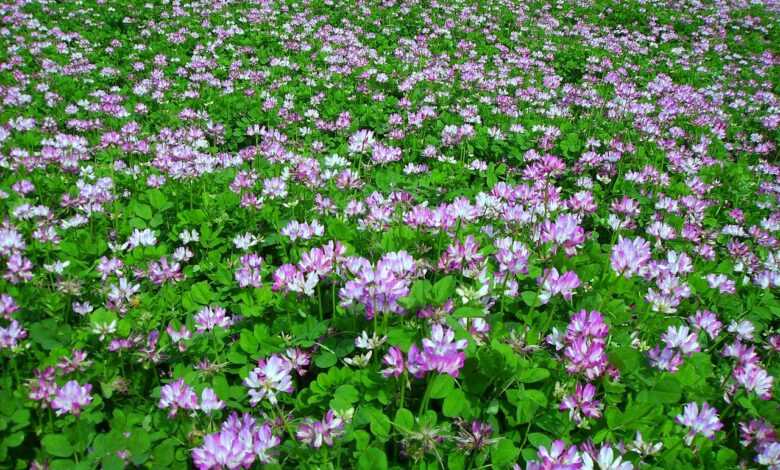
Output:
(71, 398)
(177, 395)
(268, 379)
(704, 422)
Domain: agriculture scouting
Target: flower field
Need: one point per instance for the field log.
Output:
(389, 234)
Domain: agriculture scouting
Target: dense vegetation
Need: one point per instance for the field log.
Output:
(389, 234)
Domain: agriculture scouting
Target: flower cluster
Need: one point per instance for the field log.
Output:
(239, 443)
(584, 344)
(270, 377)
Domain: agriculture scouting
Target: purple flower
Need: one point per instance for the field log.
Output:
(237, 445)
(758, 431)
(582, 403)
(395, 362)
(378, 289)
(585, 344)
(71, 398)
(248, 274)
(723, 284)
(754, 379)
(769, 456)
(463, 255)
(512, 256)
(630, 256)
(707, 321)
(682, 339)
(553, 283)
(564, 232)
(210, 317)
(315, 433)
(269, 378)
(299, 359)
(665, 359)
(361, 141)
(7, 306)
(177, 395)
(162, 271)
(704, 422)
(440, 353)
(558, 457)
(475, 436)
(179, 336)
(10, 336)
(209, 401)
(42, 387)
(19, 269)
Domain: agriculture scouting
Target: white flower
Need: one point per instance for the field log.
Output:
(57, 267)
(245, 241)
(104, 329)
(606, 461)
(144, 237)
(360, 360)
(644, 448)
(374, 342)
(189, 236)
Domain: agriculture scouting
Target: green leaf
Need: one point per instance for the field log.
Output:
(538, 439)
(14, 439)
(456, 461)
(454, 403)
(400, 337)
(530, 298)
(667, 390)
(248, 342)
(468, 312)
(372, 459)
(443, 289)
(379, 424)
(164, 453)
(726, 458)
(504, 453)
(441, 386)
(527, 403)
(626, 359)
(325, 360)
(201, 293)
(143, 211)
(347, 393)
(157, 199)
(421, 292)
(535, 374)
(404, 419)
(57, 445)
(138, 444)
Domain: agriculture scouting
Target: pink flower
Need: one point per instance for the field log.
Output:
(177, 395)
(209, 401)
(704, 422)
(395, 362)
(236, 445)
(269, 378)
(71, 398)
(629, 257)
(210, 317)
(316, 433)
(553, 283)
(582, 403)
(440, 353)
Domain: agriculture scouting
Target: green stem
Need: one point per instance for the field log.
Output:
(319, 301)
(426, 398)
(403, 388)
(333, 298)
